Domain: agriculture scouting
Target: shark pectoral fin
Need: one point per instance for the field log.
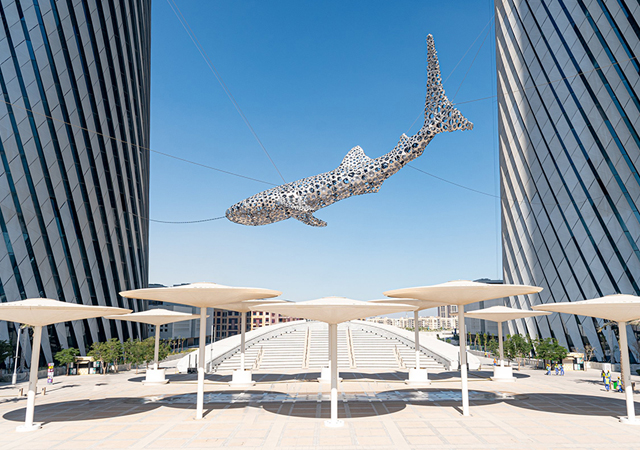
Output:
(304, 214)
(308, 219)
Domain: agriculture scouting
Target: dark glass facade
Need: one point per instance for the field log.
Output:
(569, 124)
(74, 159)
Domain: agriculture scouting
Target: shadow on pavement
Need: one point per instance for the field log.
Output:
(81, 410)
(579, 405)
(322, 410)
(489, 374)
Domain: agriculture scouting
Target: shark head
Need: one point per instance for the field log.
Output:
(239, 213)
(255, 211)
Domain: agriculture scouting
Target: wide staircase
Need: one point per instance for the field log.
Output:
(319, 348)
(282, 352)
(373, 351)
(308, 349)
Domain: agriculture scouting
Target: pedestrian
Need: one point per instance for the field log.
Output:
(602, 375)
(561, 370)
(548, 369)
(495, 362)
(557, 369)
(607, 380)
(620, 385)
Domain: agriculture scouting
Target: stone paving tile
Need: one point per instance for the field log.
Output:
(116, 444)
(207, 443)
(370, 431)
(422, 431)
(296, 442)
(422, 440)
(168, 443)
(111, 412)
(462, 440)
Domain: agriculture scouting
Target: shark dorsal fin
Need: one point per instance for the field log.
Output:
(354, 158)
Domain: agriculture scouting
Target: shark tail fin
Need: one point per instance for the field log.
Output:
(439, 113)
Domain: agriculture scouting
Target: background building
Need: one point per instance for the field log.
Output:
(447, 311)
(426, 322)
(569, 134)
(479, 326)
(264, 318)
(74, 160)
(227, 323)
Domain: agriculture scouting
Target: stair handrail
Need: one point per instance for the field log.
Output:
(307, 349)
(399, 359)
(352, 356)
(258, 360)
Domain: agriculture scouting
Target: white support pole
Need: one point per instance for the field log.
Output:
(156, 350)
(14, 378)
(201, 350)
(500, 343)
(417, 338)
(243, 326)
(333, 338)
(628, 389)
(463, 361)
(213, 334)
(33, 381)
(330, 349)
(334, 373)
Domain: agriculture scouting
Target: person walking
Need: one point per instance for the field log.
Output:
(607, 380)
(548, 369)
(561, 370)
(557, 369)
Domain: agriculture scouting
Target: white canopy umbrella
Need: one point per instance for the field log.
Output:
(417, 375)
(333, 310)
(243, 377)
(40, 312)
(463, 293)
(503, 314)
(156, 317)
(203, 296)
(620, 308)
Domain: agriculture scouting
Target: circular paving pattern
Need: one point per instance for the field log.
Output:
(409, 396)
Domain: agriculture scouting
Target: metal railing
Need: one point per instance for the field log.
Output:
(399, 359)
(258, 360)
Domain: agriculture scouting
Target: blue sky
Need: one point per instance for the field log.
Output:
(315, 79)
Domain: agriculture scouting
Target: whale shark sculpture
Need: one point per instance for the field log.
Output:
(357, 174)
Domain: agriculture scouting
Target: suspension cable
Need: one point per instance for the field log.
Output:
(207, 60)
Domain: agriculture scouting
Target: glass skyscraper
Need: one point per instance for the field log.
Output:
(74, 159)
(569, 128)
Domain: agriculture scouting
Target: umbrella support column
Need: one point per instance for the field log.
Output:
(14, 378)
(325, 372)
(155, 375)
(417, 375)
(33, 381)
(501, 372)
(463, 361)
(242, 377)
(628, 389)
(333, 339)
(201, 353)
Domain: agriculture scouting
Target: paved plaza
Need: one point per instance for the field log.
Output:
(287, 411)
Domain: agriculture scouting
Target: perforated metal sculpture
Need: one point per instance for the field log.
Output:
(357, 174)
